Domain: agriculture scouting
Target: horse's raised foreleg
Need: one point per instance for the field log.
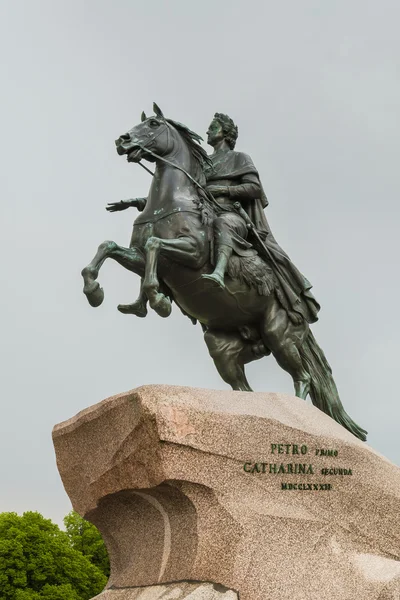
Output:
(139, 307)
(284, 338)
(182, 250)
(130, 258)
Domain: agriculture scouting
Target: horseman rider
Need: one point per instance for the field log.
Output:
(232, 178)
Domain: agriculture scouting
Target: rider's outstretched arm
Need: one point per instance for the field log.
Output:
(138, 203)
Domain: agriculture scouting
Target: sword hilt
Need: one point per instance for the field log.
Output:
(239, 208)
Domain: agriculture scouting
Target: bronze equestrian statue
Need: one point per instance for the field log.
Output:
(202, 241)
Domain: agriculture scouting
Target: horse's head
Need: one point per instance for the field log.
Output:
(158, 136)
(153, 134)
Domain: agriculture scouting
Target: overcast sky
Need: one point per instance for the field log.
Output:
(314, 87)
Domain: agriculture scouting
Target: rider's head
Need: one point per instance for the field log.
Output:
(227, 129)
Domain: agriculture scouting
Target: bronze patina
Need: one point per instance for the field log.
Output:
(202, 240)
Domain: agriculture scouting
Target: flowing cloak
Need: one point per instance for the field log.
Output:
(295, 289)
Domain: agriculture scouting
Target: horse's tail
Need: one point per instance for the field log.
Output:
(323, 391)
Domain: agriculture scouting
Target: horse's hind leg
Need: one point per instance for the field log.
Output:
(230, 353)
(284, 339)
(130, 258)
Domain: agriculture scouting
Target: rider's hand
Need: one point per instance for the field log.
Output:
(218, 190)
(122, 205)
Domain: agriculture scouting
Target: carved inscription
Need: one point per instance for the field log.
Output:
(297, 453)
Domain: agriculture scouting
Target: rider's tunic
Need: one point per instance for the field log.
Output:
(230, 228)
(237, 171)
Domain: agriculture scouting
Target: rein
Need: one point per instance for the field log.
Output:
(168, 162)
(208, 196)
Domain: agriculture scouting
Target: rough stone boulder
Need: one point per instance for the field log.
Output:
(211, 495)
(172, 591)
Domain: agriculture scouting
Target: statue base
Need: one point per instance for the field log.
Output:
(207, 495)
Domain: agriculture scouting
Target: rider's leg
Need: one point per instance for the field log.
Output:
(130, 258)
(284, 338)
(183, 250)
(224, 253)
(139, 307)
(230, 233)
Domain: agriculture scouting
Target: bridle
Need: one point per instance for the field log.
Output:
(206, 196)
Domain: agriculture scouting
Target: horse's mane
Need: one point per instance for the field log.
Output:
(193, 140)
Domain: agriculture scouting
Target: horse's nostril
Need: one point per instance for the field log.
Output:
(125, 137)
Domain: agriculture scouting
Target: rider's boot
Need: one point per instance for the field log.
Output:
(224, 253)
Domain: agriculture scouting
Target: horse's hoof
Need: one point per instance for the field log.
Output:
(94, 293)
(139, 310)
(162, 306)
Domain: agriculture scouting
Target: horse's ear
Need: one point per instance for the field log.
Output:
(157, 110)
(143, 116)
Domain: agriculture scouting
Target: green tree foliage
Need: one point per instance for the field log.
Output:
(38, 562)
(49, 592)
(86, 538)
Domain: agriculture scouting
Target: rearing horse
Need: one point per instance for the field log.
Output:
(170, 251)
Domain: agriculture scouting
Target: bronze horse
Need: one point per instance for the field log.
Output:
(170, 251)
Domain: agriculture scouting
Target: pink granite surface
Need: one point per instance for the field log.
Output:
(171, 591)
(160, 471)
